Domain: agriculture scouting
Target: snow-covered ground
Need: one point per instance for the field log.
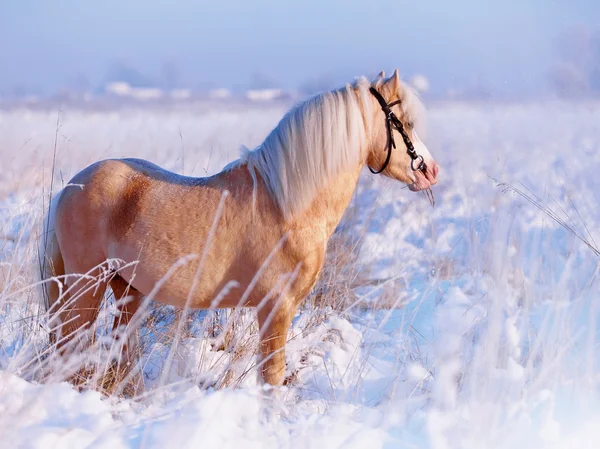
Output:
(475, 320)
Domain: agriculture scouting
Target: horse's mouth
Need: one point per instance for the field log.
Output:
(422, 181)
(418, 186)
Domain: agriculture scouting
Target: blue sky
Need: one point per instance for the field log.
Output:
(503, 44)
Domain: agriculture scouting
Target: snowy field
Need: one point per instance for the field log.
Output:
(468, 325)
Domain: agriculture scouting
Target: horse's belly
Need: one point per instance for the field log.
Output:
(183, 280)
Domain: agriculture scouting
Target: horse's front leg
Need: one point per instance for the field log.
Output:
(274, 320)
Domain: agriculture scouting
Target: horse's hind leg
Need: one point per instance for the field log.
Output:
(78, 311)
(128, 301)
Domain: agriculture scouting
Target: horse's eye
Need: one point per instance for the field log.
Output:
(410, 124)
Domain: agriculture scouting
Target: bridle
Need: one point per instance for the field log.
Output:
(392, 121)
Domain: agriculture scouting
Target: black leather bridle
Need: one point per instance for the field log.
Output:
(417, 162)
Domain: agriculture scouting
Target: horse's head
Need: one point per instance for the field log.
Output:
(396, 114)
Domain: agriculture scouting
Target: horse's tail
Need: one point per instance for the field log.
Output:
(52, 267)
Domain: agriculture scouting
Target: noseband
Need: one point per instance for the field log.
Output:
(417, 162)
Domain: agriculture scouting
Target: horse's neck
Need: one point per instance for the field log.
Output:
(330, 203)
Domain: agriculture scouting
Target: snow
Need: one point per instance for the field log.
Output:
(55, 415)
(493, 342)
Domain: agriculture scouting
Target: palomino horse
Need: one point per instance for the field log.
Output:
(253, 235)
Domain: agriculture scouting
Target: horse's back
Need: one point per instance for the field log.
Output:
(110, 193)
(97, 185)
(141, 163)
(109, 182)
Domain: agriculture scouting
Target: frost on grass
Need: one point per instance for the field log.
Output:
(469, 325)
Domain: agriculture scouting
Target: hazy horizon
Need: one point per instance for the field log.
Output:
(506, 46)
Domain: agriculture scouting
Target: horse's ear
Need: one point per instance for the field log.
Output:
(379, 79)
(395, 80)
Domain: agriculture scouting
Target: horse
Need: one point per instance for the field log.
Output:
(253, 235)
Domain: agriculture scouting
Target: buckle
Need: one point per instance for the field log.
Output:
(421, 165)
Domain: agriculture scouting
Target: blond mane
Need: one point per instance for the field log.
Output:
(315, 141)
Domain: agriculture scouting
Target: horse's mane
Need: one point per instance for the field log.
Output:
(314, 141)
